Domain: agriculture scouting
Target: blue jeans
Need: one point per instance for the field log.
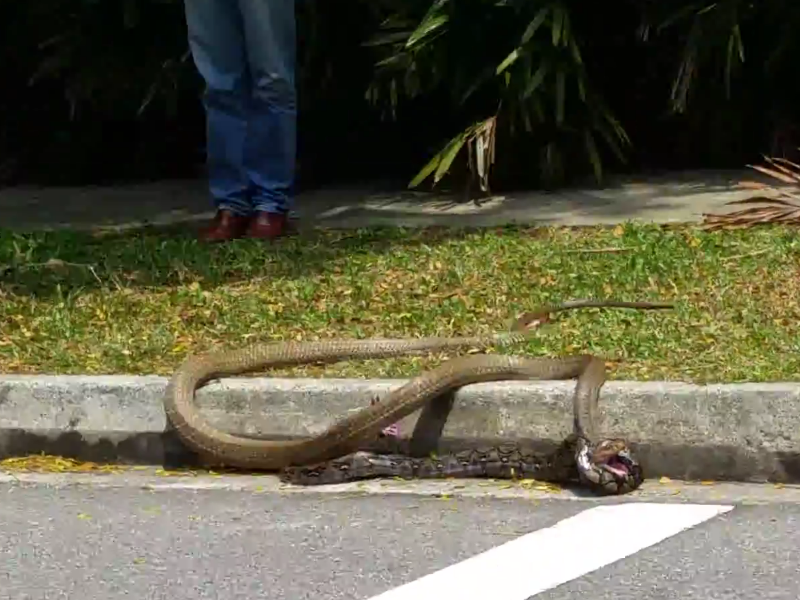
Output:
(245, 51)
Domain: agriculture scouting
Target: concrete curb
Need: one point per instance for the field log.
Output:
(740, 432)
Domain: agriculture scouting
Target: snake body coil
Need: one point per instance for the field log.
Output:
(346, 436)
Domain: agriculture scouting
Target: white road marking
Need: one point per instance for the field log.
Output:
(546, 558)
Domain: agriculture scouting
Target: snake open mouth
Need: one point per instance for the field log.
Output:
(619, 465)
(609, 468)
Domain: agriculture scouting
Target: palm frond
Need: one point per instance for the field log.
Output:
(782, 208)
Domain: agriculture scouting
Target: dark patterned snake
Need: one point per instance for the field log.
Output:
(605, 466)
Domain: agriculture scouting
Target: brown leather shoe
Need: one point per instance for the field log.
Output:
(225, 226)
(267, 226)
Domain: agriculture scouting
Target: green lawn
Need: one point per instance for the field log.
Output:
(139, 303)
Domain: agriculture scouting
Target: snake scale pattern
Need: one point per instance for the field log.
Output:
(610, 472)
(605, 466)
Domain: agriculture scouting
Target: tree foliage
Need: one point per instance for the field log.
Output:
(511, 91)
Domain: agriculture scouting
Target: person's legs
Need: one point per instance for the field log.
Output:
(270, 144)
(216, 40)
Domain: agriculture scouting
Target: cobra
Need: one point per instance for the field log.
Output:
(346, 436)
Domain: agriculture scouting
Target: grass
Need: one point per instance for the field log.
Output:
(140, 302)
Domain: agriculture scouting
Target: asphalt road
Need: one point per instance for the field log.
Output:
(120, 542)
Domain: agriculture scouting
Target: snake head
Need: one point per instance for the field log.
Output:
(609, 468)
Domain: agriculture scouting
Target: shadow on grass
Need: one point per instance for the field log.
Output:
(47, 263)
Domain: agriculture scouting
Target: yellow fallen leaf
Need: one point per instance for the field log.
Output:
(164, 473)
(779, 486)
(547, 487)
(618, 231)
(54, 464)
(707, 482)
(527, 481)
(138, 561)
(665, 480)
(540, 486)
(84, 516)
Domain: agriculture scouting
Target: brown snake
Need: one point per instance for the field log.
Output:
(345, 437)
(606, 468)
